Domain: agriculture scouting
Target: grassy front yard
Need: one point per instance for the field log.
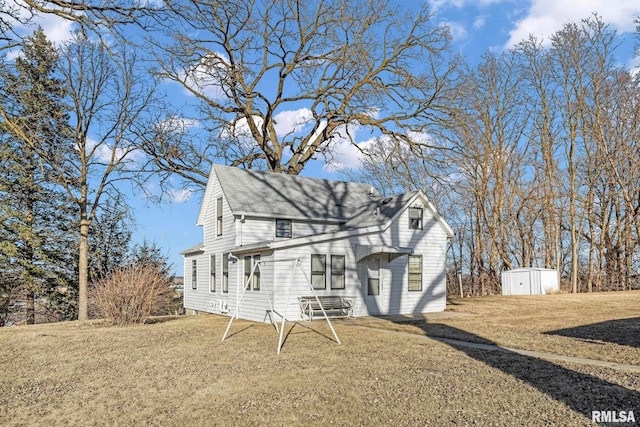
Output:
(177, 372)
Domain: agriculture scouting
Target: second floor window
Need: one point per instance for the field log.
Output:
(415, 218)
(219, 216)
(283, 228)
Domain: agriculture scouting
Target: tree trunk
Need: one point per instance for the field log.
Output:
(83, 269)
(31, 312)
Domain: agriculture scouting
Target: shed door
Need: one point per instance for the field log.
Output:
(520, 283)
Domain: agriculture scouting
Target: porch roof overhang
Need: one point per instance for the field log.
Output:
(363, 251)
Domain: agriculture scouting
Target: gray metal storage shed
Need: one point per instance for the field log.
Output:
(529, 281)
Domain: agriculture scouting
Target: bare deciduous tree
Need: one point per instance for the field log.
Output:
(97, 17)
(335, 63)
(113, 106)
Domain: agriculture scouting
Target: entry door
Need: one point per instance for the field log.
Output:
(374, 285)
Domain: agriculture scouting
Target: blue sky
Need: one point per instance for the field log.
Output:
(477, 26)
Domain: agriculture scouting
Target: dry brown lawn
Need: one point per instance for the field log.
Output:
(178, 372)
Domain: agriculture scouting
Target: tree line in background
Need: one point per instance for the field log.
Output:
(529, 154)
(541, 166)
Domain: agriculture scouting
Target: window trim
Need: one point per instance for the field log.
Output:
(288, 232)
(419, 218)
(322, 272)
(194, 274)
(409, 273)
(339, 273)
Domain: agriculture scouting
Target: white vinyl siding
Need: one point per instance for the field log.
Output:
(252, 229)
(280, 279)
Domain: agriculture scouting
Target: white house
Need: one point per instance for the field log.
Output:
(278, 235)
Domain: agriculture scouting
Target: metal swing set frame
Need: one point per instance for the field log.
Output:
(280, 328)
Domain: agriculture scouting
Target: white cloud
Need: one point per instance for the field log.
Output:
(178, 124)
(207, 76)
(634, 65)
(292, 121)
(437, 5)
(544, 17)
(457, 30)
(103, 152)
(56, 29)
(179, 195)
(346, 154)
(479, 22)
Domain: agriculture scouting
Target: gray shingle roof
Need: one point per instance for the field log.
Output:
(377, 211)
(288, 196)
(196, 249)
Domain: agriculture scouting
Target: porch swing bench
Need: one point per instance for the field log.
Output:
(334, 306)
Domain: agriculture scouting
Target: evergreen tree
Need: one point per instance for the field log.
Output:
(35, 219)
(110, 238)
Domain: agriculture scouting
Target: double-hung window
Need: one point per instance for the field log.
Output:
(212, 273)
(250, 264)
(337, 271)
(415, 218)
(225, 273)
(415, 272)
(219, 216)
(194, 274)
(283, 228)
(319, 271)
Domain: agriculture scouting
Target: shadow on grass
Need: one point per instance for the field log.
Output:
(231, 334)
(162, 319)
(306, 330)
(619, 331)
(581, 392)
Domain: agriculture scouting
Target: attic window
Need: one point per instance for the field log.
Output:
(415, 218)
(219, 216)
(283, 228)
